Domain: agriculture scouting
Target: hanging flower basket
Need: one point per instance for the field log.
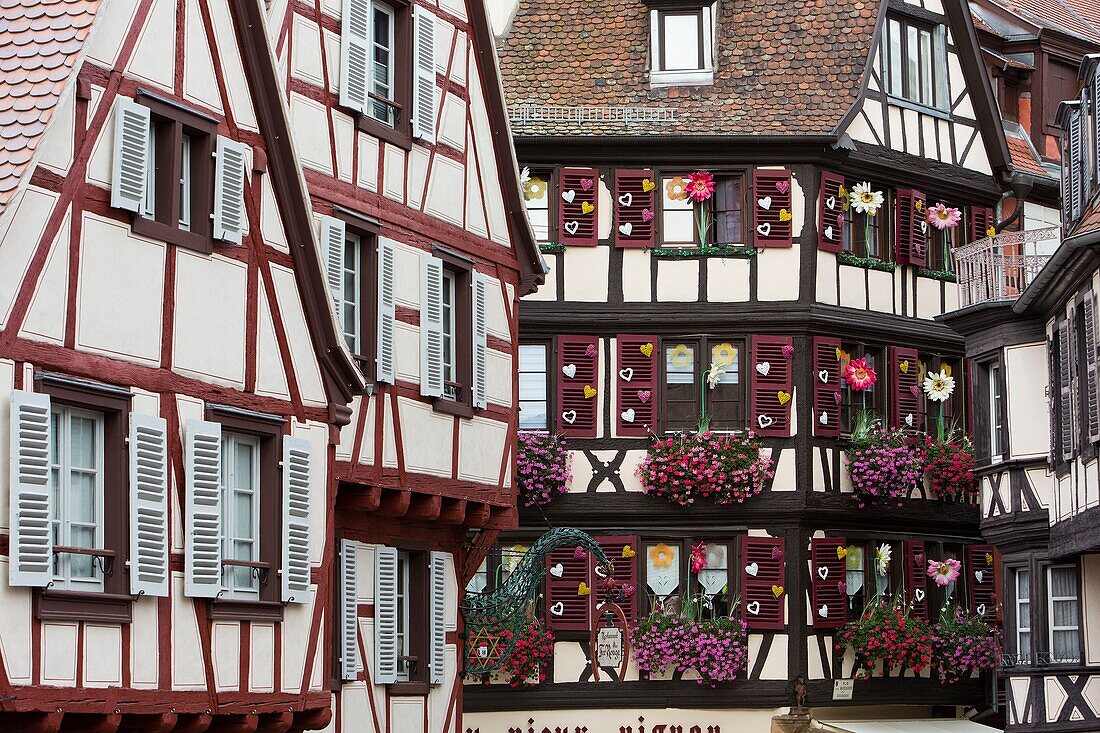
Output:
(949, 468)
(963, 645)
(887, 633)
(542, 468)
(669, 641)
(528, 660)
(883, 464)
(684, 468)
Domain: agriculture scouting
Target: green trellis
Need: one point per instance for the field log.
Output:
(486, 615)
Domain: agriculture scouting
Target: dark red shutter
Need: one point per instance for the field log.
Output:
(626, 573)
(981, 218)
(636, 384)
(829, 236)
(578, 187)
(906, 397)
(981, 567)
(771, 414)
(634, 209)
(915, 577)
(760, 609)
(565, 609)
(577, 414)
(918, 254)
(826, 378)
(771, 196)
(910, 227)
(828, 577)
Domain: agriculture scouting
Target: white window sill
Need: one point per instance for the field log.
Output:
(697, 77)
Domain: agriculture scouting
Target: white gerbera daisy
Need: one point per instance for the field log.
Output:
(714, 374)
(866, 201)
(882, 558)
(939, 387)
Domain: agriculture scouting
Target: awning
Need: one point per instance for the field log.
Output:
(937, 725)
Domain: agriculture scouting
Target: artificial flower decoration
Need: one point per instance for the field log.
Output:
(716, 555)
(723, 354)
(945, 572)
(700, 186)
(882, 558)
(859, 375)
(676, 189)
(991, 232)
(525, 175)
(866, 201)
(512, 557)
(698, 557)
(943, 216)
(661, 555)
(845, 199)
(939, 387)
(714, 374)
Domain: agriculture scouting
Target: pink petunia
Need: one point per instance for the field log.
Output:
(699, 186)
(943, 217)
(945, 572)
(859, 375)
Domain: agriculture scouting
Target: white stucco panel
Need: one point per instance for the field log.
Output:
(15, 621)
(188, 667)
(154, 57)
(209, 335)
(586, 273)
(393, 173)
(270, 375)
(444, 199)
(727, 280)
(305, 57)
(21, 228)
(302, 356)
(58, 654)
(56, 149)
(107, 36)
(343, 131)
(199, 81)
(309, 120)
(297, 618)
(144, 644)
(778, 273)
(475, 206)
(102, 655)
(236, 83)
(427, 437)
(481, 449)
(261, 661)
(417, 175)
(500, 378)
(367, 175)
(45, 320)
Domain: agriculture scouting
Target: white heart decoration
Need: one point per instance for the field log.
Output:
(626, 374)
(764, 229)
(569, 370)
(822, 572)
(572, 227)
(830, 203)
(600, 571)
(599, 606)
(829, 232)
(626, 199)
(752, 569)
(823, 612)
(753, 608)
(823, 376)
(918, 594)
(764, 367)
(824, 419)
(557, 570)
(978, 575)
(909, 419)
(924, 227)
(558, 608)
(981, 609)
(570, 416)
(628, 415)
(626, 228)
(765, 203)
(764, 422)
(568, 196)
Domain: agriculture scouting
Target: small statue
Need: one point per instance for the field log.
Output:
(799, 695)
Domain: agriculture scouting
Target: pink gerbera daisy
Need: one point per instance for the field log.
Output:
(944, 572)
(942, 216)
(859, 375)
(699, 186)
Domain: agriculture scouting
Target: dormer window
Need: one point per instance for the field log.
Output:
(681, 47)
(915, 62)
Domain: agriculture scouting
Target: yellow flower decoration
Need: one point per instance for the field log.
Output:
(676, 189)
(534, 189)
(991, 232)
(681, 356)
(723, 354)
(661, 555)
(946, 369)
(513, 557)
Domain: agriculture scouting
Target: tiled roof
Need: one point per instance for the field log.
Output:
(1024, 157)
(783, 68)
(1079, 18)
(1089, 221)
(40, 41)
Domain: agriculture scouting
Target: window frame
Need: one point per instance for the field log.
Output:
(880, 404)
(941, 242)
(549, 178)
(1049, 609)
(683, 542)
(997, 433)
(366, 230)
(1023, 656)
(169, 123)
(62, 577)
(400, 133)
(882, 226)
(955, 408)
(703, 344)
(548, 346)
(940, 89)
(659, 76)
(463, 271)
(230, 589)
(417, 659)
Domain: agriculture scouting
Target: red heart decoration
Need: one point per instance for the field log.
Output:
(782, 186)
(915, 390)
(586, 184)
(644, 395)
(579, 553)
(837, 397)
(647, 214)
(591, 350)
(787, 351)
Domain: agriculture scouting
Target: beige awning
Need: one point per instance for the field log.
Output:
(936, 725)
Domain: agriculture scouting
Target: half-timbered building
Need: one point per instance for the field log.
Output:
(1031, 340)
(789, 106)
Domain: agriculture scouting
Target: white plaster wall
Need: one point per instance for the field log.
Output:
(302, 356)
(226, 650)
(1028, 412)
(427, 438)
(209, 334)
(188, 670)
(928, 297)
(309, 122)
(21, 227)
(45, 319)
(261, 662)
(678, 281)
(481, 449)
(778, 273)
(586, 273)
(144, 644)
(826, 278)
(297, 618)
(153, 60)
(199, 81)
(614, 719)
(444, 199)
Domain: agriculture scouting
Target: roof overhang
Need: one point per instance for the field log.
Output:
(936, 725)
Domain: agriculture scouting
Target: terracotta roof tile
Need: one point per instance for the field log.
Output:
(39, 44)
(1089, 221)
(1079, 18)
(1024, 157)
(783, 68)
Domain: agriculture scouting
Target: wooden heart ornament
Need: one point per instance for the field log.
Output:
(583, 589)
(557, 609)
(823, 612)
(784, 397)
(589, 392)
(646, 349)
(627, 415)
(765, 203)
(753, 608)
(979, 575)
(777, 590)
(763, 368)
(572, 226)
(626, 374)
(568, 196)
(648, 185)
(822, 572)
(904, 367)
(569, 416)
(587, 208)
(830, 203)
(764, 422)
(823, 376)
(628, 551)
(626, 228)
(841, 552)
(783, 186)
(784, 215)
(829, 232)
(644, 395)
(824, 419)
(557, 570)
(764, 229)
(918, 594)
(752, 569)
(587, 183)
(980, 609)
(569, 370)
(626, 200)
(837, 398)
(590, 350)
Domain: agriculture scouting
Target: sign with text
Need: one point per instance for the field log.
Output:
(609, 647)
(842, 689)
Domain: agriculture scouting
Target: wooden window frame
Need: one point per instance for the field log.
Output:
(745, 238)
(549, 176)
(882, 226)
(939, 81)
(114, 603)
(662, 14)
(418, 597)
(270, 433)
(703, 345)
(169, 121)
(400, 134)
(367, 231)
(957, 401)
(895, 574)
(1079, 344)
(659, 177)
(1047, 632)
(880, 404)
(940, 243)
(551, 397)
(684, 542)
(463, 269)
(1012, 614)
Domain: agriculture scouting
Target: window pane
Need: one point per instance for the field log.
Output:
(82, 442)
(1065, 646)
(243, 468)
(681, 44)
(382, 62)
(895, 57)
(680, 364)
(532, 358)
(911, 64)
(1063, 582)
(926, 87)
(727, 211)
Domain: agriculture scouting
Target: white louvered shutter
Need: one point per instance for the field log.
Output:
(1076, 179)
(423, 117)
(130, 165)
(387, 311)
(350, 663)
(1065, 405)
(1096, 119)
(148, 505)
(203, 510)
(295, 570)
(229, 190)
(431, 326)
(1091, 388)
(385, 615)
(31, 551)
(437, 608)
(481, 338)
(333, 239)
(355, 54)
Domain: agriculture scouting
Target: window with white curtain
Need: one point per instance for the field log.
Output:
(76, 482)
(1063, 614)
(1022, 582)
(350, 305)
(682, 45)
(240, 516)
(403, 646)
(533, 383)
(382, 62)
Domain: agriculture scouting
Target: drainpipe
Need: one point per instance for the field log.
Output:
(1021, 187)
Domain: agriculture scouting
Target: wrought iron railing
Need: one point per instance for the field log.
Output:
(1000, 268)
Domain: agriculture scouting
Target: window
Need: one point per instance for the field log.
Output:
(941, 242)
(864, 235)
(729, 222)
(1022, 606)
(450, 334)
(537, 202)
(76, 483)
(678, 219)
(382, 63)
(404, 667)
(449, 343)
(682, 45)
(725, 223)
(669, 582)
(684, 398)
(1063, 614)
(954, 412)
(863, 580)
(915, 62)
(241, 501)
(997, 442)
(533, 386)
(873, 399)
(350, 299)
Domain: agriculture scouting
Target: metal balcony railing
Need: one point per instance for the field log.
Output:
(1000, 268)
